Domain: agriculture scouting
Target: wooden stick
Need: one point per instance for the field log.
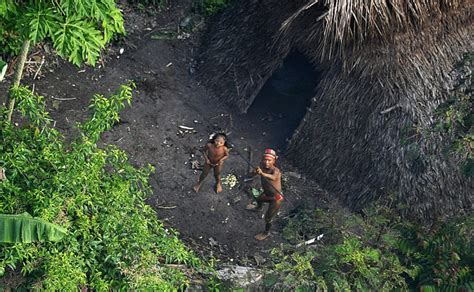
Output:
(250, 168)
(166, 207)
(39, 68)
(63, 99)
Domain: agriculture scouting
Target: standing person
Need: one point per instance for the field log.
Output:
(271, 184)
(215, 152)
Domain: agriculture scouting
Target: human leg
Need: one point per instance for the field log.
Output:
(217, 175)
(263, 198)
(270, 215)
(204, 173)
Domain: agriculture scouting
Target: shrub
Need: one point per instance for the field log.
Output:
(342, 260)
(379, 251)
(78, 29)
(114, 239)
(441, 256)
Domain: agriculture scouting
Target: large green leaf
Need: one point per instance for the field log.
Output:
(6, 6)
(42, 20)
(23, 228)
(79, 39)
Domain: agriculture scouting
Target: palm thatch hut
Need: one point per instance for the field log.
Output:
(386, 66)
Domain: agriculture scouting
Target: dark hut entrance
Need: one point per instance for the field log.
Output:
(283, 101)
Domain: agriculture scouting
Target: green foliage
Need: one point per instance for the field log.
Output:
(114, 240)
(78, 29)
(210, 7)
(456, 116)
(23, 228)
(355, 265)
(340, 260)
(10, 41)
(64, 273)
(105, 112)
(308, 224)
(256, 192)
(440, 257)
(295, 268)
(348, 266)
(378, 251)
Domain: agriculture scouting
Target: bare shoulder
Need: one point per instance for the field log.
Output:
(277, 171)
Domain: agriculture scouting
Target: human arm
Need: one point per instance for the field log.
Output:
(226, 155)
(271, 183)
(204, 150)
(274, 176)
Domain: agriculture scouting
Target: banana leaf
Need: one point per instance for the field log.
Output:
(23, 228)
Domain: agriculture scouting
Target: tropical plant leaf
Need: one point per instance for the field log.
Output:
(42, 21)
(6, 6)
(78, 29)
(78, 39)
(113, 24)
(23, 228)
(469, 286)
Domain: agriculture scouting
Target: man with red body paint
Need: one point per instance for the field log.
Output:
(271, 184)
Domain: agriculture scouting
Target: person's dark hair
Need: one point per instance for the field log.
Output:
(217, 135)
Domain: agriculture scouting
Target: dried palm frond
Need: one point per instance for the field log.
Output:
(354, 22)
(348, 24)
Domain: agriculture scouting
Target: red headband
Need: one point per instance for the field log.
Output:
(270, 153)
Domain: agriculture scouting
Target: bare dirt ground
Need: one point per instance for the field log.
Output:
(168, 95)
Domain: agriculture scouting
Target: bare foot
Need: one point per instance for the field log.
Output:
(197, 187)
(262, 236)
(219, 188)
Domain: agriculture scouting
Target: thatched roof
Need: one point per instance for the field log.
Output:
(386, 68)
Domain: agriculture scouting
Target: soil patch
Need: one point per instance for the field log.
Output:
(167, 97)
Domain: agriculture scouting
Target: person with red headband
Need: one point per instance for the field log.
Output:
(271, 183)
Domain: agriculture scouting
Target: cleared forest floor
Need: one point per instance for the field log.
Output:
(169, 95)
